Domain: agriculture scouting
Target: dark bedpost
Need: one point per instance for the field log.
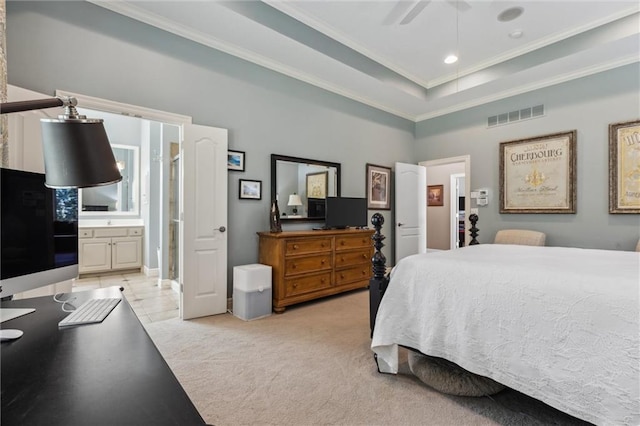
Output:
(378, 283)
(474, 231)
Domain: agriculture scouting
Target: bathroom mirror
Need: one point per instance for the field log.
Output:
(301, 185)
(120, 199)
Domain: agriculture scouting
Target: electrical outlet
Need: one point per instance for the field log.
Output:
(474, 211)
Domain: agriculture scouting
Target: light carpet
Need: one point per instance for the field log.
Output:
(312, 365)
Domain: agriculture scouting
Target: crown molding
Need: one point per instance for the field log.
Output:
(584, 72)
(223, 46)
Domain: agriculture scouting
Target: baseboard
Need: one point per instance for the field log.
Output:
(151, 272)
(175, 285)
(229, 305)
(164, 283)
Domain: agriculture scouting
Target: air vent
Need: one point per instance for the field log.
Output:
(513, 116)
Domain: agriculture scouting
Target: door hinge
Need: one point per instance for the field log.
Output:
(181, 288)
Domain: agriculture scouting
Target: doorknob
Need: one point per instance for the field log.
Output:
(221, 229)
(400, 223)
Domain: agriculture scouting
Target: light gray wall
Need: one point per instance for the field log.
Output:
(588, 105)
(82, 48)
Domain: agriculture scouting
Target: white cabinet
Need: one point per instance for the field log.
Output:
(110, 248)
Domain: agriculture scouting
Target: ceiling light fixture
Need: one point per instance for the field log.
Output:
(451, 59)
(510, 14)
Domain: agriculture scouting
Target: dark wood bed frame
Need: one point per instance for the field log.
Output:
(380, 279)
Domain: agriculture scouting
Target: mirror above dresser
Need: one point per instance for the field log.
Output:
(301, 185)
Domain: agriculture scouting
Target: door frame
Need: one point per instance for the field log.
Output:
(454, 211)
(466, 159)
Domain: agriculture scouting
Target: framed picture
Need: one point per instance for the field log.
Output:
(538, 175)
(435, 195)
(317, 184)
(378, 187)
(250, 189)
(624, 167)
(235, 160)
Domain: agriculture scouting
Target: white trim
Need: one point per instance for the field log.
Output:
(165, 283)
(226, 47)
(151, 272)
(453, 208)
(175, 286)
(528, 88)
(89, 102)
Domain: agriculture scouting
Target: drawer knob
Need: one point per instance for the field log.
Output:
(364, 272)
(322, 280)
(364, 256)
(323, 261)
(293, 266)
(341, 275)
(322, 245)
(342, 242)
(295, 285)
(295, 247)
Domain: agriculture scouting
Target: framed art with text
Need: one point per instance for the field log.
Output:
(538, 175)
(317, 184)
(624, 167)
(378, 187)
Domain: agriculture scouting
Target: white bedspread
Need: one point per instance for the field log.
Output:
(558, 324)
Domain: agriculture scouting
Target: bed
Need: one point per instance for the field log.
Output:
(558, 324)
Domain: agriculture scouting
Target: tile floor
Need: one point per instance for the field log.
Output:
(150, 302)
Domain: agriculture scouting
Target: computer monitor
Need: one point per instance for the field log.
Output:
(39, 232)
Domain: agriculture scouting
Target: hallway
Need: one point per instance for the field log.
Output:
(149, 302)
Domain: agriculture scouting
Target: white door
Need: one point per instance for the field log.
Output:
(410, 210)
(203, 258)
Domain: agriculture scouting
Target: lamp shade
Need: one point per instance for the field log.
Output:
(77, 153)
(294, 200)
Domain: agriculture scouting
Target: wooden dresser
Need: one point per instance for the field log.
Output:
(311, 264)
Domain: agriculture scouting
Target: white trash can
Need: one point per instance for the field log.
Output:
(251, 291)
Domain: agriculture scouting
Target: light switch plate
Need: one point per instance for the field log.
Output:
(474, 211)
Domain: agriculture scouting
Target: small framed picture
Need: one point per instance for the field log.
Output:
(435, 196)
(378, 187)
(235, 160)
(250, 189)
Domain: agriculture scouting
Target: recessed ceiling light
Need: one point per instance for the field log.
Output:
(451, 59)
(516, 34)
(510, 14)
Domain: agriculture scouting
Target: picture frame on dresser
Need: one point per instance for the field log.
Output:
(624, 167)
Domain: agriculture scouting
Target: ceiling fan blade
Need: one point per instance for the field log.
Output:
(419, 7)
(461, 5)
(400, 9)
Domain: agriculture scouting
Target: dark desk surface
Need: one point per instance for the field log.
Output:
(99, 374)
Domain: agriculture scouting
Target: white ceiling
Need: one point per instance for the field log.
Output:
(361, 50)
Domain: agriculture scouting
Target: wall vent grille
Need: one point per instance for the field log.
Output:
(513, 116)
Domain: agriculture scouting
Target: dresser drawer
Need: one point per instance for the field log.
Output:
(85, 233)
(135, 231)
(310, 245)
(307, 284)
(353, 241)
(355, 273)
(350, 258)
(302, 265)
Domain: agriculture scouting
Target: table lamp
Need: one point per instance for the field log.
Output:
(76, 150)
(294, 201)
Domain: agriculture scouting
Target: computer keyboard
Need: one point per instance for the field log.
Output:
(90, 312)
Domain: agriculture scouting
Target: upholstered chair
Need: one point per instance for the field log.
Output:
(520, 236)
